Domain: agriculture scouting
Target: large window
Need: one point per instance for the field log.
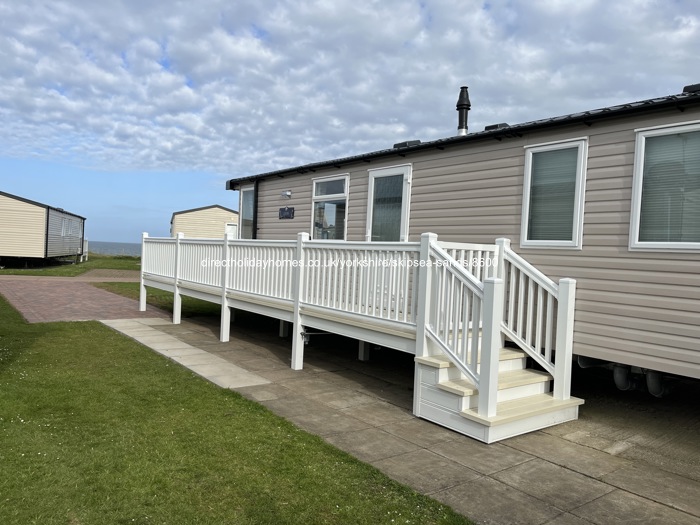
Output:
(553, 195)
(666, 191)
(330, 200)
(387, 206)
(247, 209)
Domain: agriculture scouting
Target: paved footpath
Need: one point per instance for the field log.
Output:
(630, 462)
(46, 299)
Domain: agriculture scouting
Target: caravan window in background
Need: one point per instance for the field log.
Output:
(246, 207)
(330, 202)
(666, 189)
(553, 195)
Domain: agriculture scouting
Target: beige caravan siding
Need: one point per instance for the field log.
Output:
(208, 223)
(639, 308)
(270, 200)
(22, 228)
(65, 234)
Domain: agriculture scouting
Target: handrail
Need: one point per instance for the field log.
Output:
(465, 313)
(538, 316)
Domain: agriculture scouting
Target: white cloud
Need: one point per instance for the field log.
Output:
(244, 87)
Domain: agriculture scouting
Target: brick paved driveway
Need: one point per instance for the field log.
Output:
(48, 299)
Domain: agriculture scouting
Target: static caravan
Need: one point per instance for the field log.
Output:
(206, 222)
(497, 258)
(608, 197)
(29, 229)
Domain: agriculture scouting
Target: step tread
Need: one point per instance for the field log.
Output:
(460, 387)
(526, 376)
(442, 361)
(517, 409)
(507, 379)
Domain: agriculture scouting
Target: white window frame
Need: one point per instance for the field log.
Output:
(333, 197)
(247, 187)
(637, 185)
(576, 241)
(403, 169)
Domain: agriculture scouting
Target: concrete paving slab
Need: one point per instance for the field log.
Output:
(425, 471)
(267, 392)
(568, 519)
(478, 456)
(152, 337)
(264, 363)
(201, 358)
(328, 422)
(293, 405)
(343, 398)
(169, 347)
(279, 375)
(379, 413)
(490, 502)
(558, 486)
(581, 459)
(177, 354)
(421, 432)
(372, 444)
(234, 381)
(622, 507)
(664, 487)
(309, 386)
(156, 321)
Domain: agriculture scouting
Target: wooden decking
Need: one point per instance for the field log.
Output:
(419, 298)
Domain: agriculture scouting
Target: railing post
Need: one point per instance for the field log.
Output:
(142, 287)
(424, 293)
(503, 245)
(565, 338)
(225, 329)
(423, 306)
(177, 299)
(490, 346)
(298, 289)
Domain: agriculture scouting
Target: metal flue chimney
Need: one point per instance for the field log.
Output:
(463, 107)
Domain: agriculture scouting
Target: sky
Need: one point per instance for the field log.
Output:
(126, 111)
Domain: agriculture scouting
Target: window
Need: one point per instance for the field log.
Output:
(388, 204)
(330, 200)
(553, 195)
(666, 189)
(247, 209)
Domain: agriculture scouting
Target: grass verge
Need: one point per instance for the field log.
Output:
(96, 429)
(191, 307)
(95, 262)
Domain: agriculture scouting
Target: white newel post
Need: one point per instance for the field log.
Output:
(490, 346)
(424, 293)
(298, 289)
(177, 299)
(142, 287)
(225, 329)
(503, 245)
(565, 338)
(423, 306)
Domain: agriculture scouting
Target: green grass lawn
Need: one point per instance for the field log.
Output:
(191, 307)
(97, 429)
(95, 262)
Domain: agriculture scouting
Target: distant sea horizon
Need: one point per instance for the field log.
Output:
(115, 248)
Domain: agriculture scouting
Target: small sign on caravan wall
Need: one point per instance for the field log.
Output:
(286, 213)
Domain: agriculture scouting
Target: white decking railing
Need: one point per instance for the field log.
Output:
(461, 298)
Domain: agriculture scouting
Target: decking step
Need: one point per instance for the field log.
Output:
(442, 361)
(523, 408)
(460, 387)
(509, 379)
(526, 376)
